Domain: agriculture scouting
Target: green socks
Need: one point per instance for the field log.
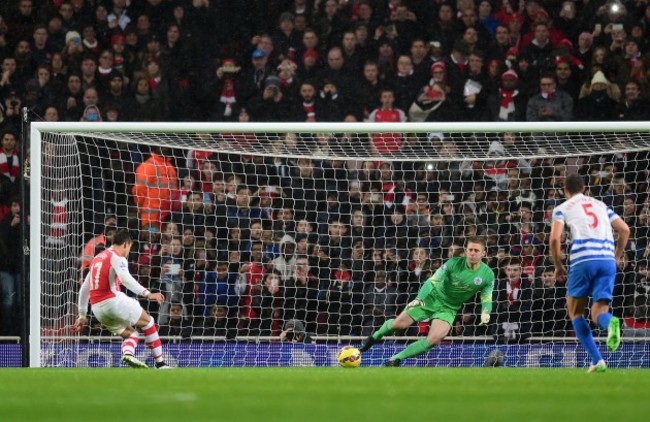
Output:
(383, 330)
(414, 349)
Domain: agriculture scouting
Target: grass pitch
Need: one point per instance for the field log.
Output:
(323, 394)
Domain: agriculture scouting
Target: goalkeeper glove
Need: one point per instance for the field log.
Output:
(414, 303)
(485, 318)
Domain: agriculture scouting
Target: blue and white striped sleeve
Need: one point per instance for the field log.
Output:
(611, 214)
(558, 215)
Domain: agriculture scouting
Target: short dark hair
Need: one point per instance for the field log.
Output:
(574, 183)
(548, 75)
(121, 237)
(476, 239)
(9, 132)
(510, 260)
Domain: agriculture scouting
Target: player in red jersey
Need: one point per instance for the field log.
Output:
(116, 311)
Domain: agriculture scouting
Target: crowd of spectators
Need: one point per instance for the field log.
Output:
(240, 244)
(331, 60)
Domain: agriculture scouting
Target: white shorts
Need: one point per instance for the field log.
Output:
(118, 313)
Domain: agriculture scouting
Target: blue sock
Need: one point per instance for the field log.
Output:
(603, 320)
(583, 332)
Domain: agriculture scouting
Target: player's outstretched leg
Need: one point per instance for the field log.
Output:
(414, 349)
(130, 343)
(128, 351)
(437, 332)
(386, 328)
(402, 322)
(152, 340)
(367, 343)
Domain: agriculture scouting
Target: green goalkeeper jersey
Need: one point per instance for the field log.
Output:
(455, 283)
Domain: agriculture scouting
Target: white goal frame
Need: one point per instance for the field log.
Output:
(80, 128)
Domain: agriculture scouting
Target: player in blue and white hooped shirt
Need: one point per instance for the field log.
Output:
(593, 258)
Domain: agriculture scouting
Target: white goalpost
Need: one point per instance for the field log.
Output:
(276, 244)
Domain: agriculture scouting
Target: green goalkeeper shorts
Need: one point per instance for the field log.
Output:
(432, 308)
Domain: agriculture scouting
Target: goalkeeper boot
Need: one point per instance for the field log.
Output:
(133, 362)
(393, 362)
(163, 365)
(367, 343)
(613, 334)
(601, 366)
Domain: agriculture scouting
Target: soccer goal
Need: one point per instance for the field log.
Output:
(278, 244)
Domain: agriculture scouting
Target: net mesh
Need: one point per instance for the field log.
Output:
(330, 234)
(61, 233)
(378, 146)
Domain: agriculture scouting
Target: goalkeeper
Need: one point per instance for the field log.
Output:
(439, 300)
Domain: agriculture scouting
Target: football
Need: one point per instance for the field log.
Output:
(349, 357)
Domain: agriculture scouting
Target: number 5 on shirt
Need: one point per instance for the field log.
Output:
(594, 217)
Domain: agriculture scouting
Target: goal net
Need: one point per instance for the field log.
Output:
(278, 244)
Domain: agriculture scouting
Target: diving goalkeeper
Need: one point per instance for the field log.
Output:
(439, 300)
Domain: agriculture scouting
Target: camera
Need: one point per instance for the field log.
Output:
(92, 117)
(14, 103)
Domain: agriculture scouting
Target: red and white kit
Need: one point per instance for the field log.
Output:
(114, 309)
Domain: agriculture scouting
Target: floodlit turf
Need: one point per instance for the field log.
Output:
(324, 394)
